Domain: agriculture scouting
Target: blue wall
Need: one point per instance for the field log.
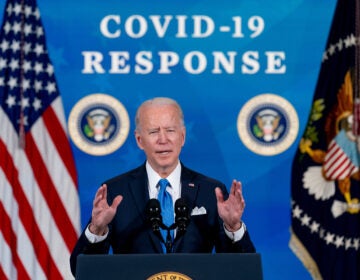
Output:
(211, 102)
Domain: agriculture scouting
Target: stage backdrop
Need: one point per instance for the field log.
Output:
(243, 71)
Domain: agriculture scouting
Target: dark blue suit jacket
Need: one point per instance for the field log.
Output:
(129, 233)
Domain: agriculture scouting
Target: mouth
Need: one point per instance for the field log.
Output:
(163, 152)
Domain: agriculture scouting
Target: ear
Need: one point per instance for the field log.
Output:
(138, 140)
(183, 135)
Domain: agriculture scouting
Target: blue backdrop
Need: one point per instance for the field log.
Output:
(261, 33)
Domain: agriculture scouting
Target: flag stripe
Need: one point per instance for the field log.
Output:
(58, 172)
(340, 168)
(26, 216)
(25, 250)
(60, 141)
(10, 238)
(40, 208)
(7, 269)
(49, 192)
(2, 273)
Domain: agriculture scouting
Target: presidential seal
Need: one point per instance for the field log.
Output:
(267, 124)
(98, 124)
(169, 275)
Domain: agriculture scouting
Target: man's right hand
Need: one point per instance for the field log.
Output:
(102, 213)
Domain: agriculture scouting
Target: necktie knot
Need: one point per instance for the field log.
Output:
(163, 183)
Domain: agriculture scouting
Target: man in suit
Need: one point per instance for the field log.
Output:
(119, 208)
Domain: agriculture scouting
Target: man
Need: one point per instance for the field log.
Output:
(119, 215)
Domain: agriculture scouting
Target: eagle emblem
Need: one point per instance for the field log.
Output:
(98, 125)
(339, 163)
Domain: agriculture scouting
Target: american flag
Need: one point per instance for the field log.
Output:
(39, 202)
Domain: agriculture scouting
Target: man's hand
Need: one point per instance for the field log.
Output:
(102, 213)
(232, 209)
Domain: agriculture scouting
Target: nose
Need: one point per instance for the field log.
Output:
(162, 136)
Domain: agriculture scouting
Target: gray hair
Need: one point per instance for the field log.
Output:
(158, 101)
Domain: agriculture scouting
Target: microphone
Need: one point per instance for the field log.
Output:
(153, 215)
(182, 215)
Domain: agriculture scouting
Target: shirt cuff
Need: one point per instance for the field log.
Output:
(93, 238)
(236, 235)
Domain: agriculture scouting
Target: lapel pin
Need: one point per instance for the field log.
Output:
(192, 185)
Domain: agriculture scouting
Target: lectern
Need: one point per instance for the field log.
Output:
(170, 267)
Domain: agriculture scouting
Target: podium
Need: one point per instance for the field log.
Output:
(170, 267)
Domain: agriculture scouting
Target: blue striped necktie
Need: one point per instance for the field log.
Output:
(167, 209)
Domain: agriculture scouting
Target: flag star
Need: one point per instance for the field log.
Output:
(50, 69)
(339, 241)
(14, 64)
(2, 63)
(2, 82)
(16, 27)
(17, 9)
(50, 87)
(332, 49)
(26, 66)
(27, 29)
(28, 11)
(24, 102)
(329, 238)
(297, 212)
(38, 85)
(39, 49)
(27, 48)
(347, 42)
(12, 82)
(9, 10)
(4, 46)
(39, 31)
(37, 13)
(25, 84)
(38, 67)
(324, 57)
(314, 227)
(352, 40)
(339, 45)
(11, 101)
(15, 46)
(347, 243)
(356, 243)
(7, 27)
(37, 104)
(305, 220)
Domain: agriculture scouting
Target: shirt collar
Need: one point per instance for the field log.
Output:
(173, 178)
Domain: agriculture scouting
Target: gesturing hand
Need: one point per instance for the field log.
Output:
(232, 209)
(102, 214)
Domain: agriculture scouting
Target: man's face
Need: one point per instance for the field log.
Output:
(161, 135)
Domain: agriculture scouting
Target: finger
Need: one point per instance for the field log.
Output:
(238, 189)
(117, 200)
(233, 187)
(104, 191)
(219, 195)
(97, 197)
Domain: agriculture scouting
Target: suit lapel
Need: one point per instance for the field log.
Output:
(140, 192)
(189, 191)
(189, 187)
